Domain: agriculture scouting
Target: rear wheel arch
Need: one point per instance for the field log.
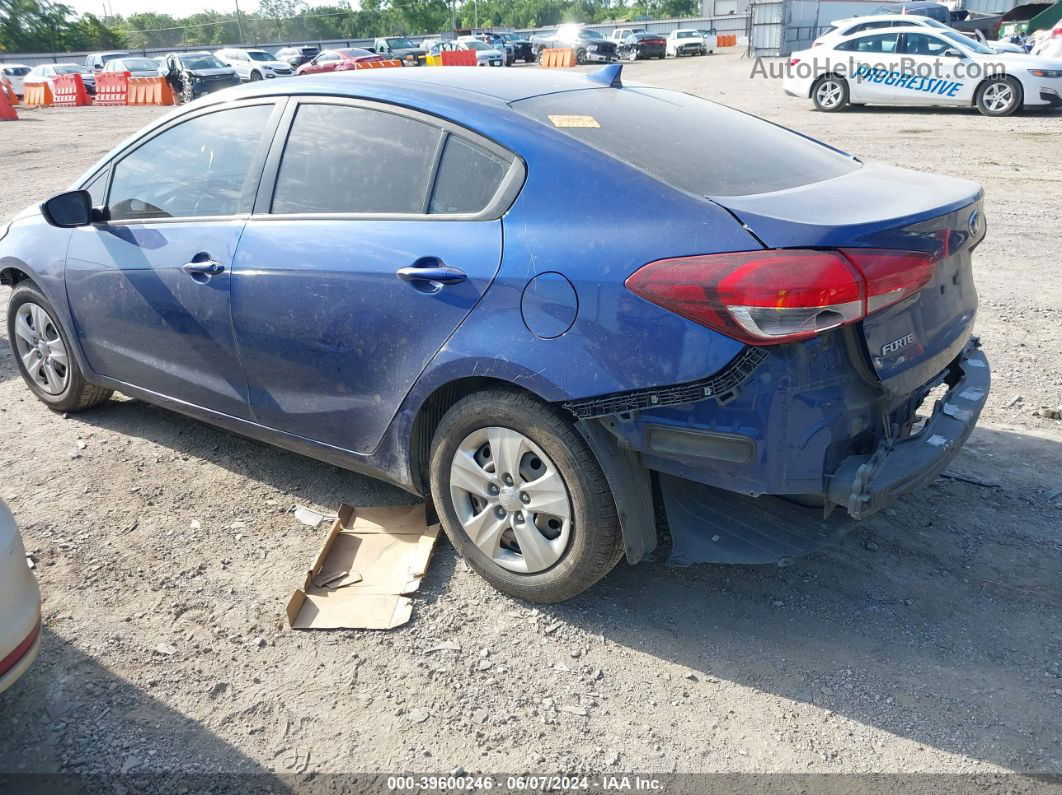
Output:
(820, 78)
(842, 83)
(431, 412)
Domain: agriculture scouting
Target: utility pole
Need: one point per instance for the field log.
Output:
(239, 23)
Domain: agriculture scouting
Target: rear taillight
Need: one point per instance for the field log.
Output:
(769, 297)
(891, 276)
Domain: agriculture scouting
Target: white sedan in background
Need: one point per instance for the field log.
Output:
(924, 66)
(15, 74)
(843, 28)
(20, 604)
(485, 54)
(254, 64)
(685, 41)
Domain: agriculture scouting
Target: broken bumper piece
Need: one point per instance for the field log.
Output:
(710, 525)
(865, 484)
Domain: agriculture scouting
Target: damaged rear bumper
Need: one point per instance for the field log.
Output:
(864, 484)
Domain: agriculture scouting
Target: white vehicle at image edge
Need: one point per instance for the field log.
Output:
(254, 64)
(904, 66)
(843, 28)
(20, 604)
(15, 74)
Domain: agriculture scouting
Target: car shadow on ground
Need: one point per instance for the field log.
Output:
(84, 728)
(939, 621)
(941, 110)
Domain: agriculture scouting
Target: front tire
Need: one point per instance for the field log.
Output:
(632, 55)
(43, 353)
(580, 57)
(999, 96)
(522, 497)
(255, 76)
(830, 93)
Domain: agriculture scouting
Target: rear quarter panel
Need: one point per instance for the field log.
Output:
(595, 221)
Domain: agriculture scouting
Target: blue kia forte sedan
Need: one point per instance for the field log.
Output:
(560, 306)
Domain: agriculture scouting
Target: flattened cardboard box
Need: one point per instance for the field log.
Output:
(370, 559)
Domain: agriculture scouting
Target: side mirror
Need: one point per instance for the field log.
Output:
(952, 53)
(68, 210)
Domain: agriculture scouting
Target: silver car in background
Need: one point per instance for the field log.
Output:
(254, 64)
(20, 604)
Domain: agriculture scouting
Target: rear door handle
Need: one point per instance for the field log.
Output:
(207, 267)
(443, 274)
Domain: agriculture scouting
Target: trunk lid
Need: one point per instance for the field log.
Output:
(909, 343)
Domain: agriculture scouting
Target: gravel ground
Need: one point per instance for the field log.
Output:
(927, 641)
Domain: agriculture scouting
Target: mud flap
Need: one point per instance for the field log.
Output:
(631, 488)
(710, 525)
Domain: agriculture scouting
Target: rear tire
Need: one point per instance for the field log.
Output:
(36, 337)
(580, 57)
(999, 96)
(830, 93)
(571, 545)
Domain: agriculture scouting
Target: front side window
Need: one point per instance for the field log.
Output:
(201, 167)
(342, 159)
(921, 44)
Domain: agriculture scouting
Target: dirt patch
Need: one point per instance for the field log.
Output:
(926, 641)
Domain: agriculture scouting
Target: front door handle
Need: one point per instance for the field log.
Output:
(443, 274)
(206, 267)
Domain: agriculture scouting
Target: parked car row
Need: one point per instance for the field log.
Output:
(232, 65)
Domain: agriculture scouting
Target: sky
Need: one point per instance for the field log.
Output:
(184, 8)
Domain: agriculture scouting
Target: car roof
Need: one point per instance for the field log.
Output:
(455, 82)
(912, 18)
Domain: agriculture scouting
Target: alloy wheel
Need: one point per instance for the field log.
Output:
(829, 93)
(41, 349)
(998, 97)
(511, 500)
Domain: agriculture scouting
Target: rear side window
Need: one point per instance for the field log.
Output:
(467, 179)
(883, 43)
(687, 142)
(355, 160)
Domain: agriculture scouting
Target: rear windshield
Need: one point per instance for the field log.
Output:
(688, 142)
(204, 61)
(16, 71)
